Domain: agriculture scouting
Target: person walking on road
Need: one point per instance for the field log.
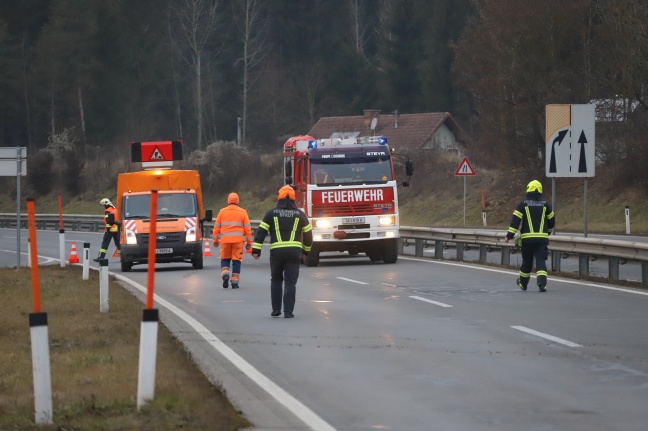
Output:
(111, 229)
(232, 229)
(535, 219)
(291, 237)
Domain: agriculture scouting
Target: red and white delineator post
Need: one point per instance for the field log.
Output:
(149, 328)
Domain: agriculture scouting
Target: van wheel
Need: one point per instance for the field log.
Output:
(197, 263)
(313, 258)
(125, 266)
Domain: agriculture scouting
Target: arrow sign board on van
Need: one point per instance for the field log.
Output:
(157, 154)
(465, 169)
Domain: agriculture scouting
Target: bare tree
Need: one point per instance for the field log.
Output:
(359, 29)
(252, 26)
(191, 24)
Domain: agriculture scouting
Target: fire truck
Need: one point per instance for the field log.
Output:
(348, 190)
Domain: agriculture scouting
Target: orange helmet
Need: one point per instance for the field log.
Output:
(233, 198)
(286, 192)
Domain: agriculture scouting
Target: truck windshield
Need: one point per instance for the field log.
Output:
(363, 170)
(169, 205)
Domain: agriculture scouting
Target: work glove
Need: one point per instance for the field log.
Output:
(215, 243)
(248, 246)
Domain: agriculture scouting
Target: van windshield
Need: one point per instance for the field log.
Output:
(170, 205)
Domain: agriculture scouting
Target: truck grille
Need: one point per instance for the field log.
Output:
(353, 226)
(344, 210)
(170, 238)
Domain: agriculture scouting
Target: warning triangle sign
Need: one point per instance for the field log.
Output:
(465, 169)
(157, 155)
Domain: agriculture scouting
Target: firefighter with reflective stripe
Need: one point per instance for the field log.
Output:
(291, 237)
(232, 229)
(535, 220)
(111, 229)
(321, 176)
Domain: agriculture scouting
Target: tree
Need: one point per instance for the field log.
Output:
(252, 27)
(192, 23)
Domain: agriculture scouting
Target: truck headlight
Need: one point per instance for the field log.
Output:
(191, 234)
(323, 223)
(386, 220)
(131, 237)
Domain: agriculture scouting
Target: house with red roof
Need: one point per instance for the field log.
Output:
(403, 131)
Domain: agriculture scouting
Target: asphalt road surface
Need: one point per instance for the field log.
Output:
(417, 345)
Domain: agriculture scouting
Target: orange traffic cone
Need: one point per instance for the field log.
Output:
(74, 257)
(207, 249)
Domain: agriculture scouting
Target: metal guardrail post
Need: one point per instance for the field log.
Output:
(401, 245)
(438, 249)
(459, 246)
(419, 243)
(555, 261)
(483, 252)
(583, 264)
(644, 273)
(613, 268)
(506, 256)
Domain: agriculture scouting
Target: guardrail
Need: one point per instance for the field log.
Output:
(614, 250)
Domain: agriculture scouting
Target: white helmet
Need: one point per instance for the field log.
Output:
(105, 201)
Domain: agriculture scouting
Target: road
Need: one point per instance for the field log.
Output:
(418, 345)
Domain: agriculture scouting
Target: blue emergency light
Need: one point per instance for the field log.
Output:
(382, 140)
(312, 145)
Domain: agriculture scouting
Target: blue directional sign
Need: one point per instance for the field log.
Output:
(570, 140)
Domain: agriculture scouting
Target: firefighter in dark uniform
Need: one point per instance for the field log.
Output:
(111, 229)
(290, 237)
(535, 219)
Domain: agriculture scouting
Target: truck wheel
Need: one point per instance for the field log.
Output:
(390, 254)
(197, 263)
(313, 258)
(125, 266)
(375, 253)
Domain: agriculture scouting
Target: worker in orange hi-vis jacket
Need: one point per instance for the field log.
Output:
(233, 231)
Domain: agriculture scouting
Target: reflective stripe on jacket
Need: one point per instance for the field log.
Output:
(534, 218)
(232, 225)
(287, 226)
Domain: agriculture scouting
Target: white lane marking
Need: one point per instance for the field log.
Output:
(291, 403)
(440, 304)
(351, 280)
(46, 258)
(546, 336)
(562, 280)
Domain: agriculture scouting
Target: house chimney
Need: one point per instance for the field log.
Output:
(395, 119)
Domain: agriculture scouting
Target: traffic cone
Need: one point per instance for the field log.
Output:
(207, 249)
(116, 254)
(74, 257)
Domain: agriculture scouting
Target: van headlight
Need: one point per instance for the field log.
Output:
(131, 237)
(191, 234)
(386, 220)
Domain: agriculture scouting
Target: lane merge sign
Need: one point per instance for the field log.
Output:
(465, 169)
(570, 140)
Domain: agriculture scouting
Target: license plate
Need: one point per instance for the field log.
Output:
(353, 220)
(163, 250)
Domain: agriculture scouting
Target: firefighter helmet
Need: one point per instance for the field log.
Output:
(105, 201)
(534, 186)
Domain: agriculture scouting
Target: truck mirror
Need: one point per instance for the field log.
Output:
(288, 168)
(289, 180)
(409, 168)
(208, 215)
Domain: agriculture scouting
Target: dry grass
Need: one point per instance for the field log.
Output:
(94, 362)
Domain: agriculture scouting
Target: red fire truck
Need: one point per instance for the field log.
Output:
(348, 190)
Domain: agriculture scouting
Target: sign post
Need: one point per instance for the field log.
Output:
(13, 162)
(464, 170)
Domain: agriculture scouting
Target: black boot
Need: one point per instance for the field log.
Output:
(101, 256)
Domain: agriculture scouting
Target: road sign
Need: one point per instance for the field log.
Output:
(9, 161)
(570, 140)
(465, 169)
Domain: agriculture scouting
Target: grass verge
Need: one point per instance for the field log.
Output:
(94, 360)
